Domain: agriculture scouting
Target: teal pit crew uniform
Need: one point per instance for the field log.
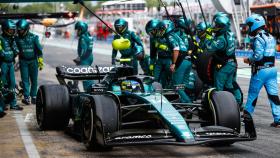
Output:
(144, 59)
(223, 47)
(85, 47)
(181, 31)
(121, 27)
(30, 54)
(159, 56)
(175, 46)
(8, 51)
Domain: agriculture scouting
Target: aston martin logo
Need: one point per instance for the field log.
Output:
(134, 137)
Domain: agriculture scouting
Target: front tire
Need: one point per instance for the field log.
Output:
(100, 117)
(226, 110)
(222, 110)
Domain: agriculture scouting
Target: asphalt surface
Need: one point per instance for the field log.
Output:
(59, 144)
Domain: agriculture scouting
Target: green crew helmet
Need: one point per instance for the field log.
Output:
(82, 27)
(221, 24)
(9, 28)
(22, 27)
(180, 22)
(164, 27)
(121, 26)
(219, 14)
(201, 28)
(151, 27)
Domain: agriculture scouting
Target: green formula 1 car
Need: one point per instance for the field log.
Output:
(126, 109)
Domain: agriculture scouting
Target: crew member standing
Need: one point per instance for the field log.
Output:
(121, 27)
(181, 64)
(160, 57)
(223, 47)
(181, 30)
(8, 52)
(264, 72)
(85, 47)
(30, 60)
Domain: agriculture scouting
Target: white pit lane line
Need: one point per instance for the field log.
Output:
(26, 136)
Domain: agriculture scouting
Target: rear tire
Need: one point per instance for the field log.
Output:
(204, 68)
(52, 107)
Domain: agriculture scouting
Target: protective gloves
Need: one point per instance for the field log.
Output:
(40, 63)
(209, 37)
(151, 68)
(161, 46)
(209, 31)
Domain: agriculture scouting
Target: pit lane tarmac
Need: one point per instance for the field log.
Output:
(19, 130)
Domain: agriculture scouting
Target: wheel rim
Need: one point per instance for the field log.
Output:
(88, 123)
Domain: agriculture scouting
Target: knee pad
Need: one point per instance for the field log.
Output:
(255, 102)
(274, 99)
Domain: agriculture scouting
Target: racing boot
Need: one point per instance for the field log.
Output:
(2, 114)
(26, 101)
(275, 124)
(33, 100)
(249, 125)
(16, 108)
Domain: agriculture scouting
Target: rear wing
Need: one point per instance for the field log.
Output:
(83, 72)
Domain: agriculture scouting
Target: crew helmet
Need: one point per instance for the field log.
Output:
(255, 22)
(121, 26)
(22, 27)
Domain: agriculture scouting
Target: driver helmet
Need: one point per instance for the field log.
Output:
(130, 86)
